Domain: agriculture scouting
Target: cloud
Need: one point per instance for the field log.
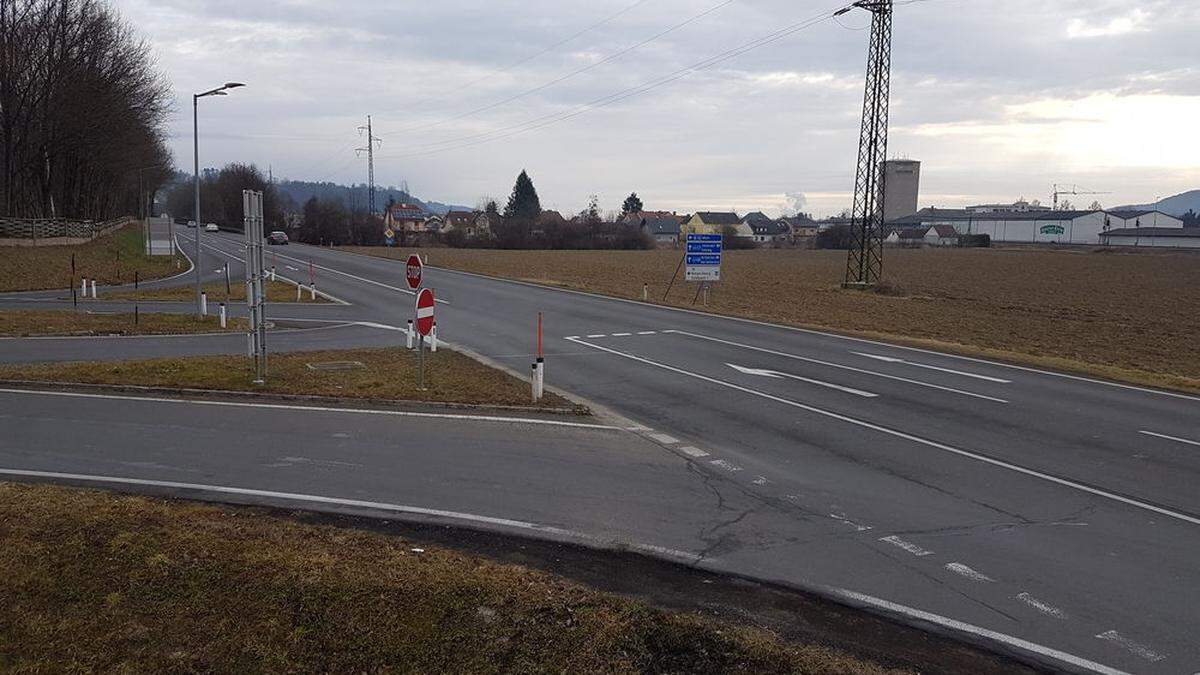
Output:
(1133, 22)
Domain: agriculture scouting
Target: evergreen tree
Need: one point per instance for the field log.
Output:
(633, 204)
(523, 203)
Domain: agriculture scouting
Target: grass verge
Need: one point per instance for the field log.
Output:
(276, 291)
(41, 323)
(1118, 316)
(110, 260)
(91, 581)
(385, 374)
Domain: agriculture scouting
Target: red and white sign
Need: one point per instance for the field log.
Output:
(425, 311)
(413, 270)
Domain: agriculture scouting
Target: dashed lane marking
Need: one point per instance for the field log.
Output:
(893, 359)
(973, 575)
(622, 334)
(858, 527)
(593, 337)
(1136, 648)
(905, 545)
(1043, 607)
(647, 332)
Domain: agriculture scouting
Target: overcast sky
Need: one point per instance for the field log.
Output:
(998, 98)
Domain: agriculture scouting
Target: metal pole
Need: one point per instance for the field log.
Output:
(421, 363)
(196, 180)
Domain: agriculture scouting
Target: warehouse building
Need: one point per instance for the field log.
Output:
(1153, 237)
(1036, 227)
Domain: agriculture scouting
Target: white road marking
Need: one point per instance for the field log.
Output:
(893, 359)
(830, 364)
(664, 438)
(1137, 649)
(1043, 607)
(362, 279)
(647, 332)
(725, 465)
(777, 375)
(571, 337)
(910, 437)
(973, 575)
(693, 451)
(858, 527)
(283, 406)
(906, 545)
(318, 462)
(1169, 438)
(836, 336)
(294, 269)
(622, 334)
(281, 277)
(593, 337)
(761, 480)
(862, 599)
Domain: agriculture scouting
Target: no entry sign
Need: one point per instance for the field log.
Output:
(425, 311)
(413, 270)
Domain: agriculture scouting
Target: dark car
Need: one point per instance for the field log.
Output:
(277, 237)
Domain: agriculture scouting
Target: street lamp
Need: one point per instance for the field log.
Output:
(219, 91)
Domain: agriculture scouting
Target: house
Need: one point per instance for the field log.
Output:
(801, 227)
(709, 222)
(459, 220)
(942, 235)
(434, 223)
(404, 218)
(756, 217)
(483, 224)
(768, 231)
(664, 230)
(907, 237)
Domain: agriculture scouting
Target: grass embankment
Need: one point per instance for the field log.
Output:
(38, 323)
(1124, 316)
(386, 373)
(276, 291)
(110, 260)
(91, 581)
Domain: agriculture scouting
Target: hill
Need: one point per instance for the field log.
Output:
(355, 196)
(1175, 206)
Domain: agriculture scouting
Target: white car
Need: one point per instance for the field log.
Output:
(211, 227)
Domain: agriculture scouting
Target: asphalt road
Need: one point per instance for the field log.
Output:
(1026, 505)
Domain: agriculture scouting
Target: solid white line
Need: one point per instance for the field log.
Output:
(1033, 648)
(1043, 607)
(664, 439)
(358, 278)
(283, 406)
(1137, 649)
(973, 575)
(691, 451)
(892, 359)
(837, 365)
(809, 380)
(1169, 438)
(910, 437)
(906, 545)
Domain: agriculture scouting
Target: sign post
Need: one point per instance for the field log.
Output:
(703, 258)
(424, 325)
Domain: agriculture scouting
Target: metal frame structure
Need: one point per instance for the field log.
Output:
(252, 210)
(864, 265)
(370, 150)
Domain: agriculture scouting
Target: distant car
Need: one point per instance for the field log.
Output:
(191, 223)
(278, 238)
(211, 227)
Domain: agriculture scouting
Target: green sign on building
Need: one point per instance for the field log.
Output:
(1052, 229)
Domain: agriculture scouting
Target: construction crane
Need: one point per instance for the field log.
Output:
(1072, 190)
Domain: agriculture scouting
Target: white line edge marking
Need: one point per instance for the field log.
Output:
(972, 574)
(915, 439)
(622, 334)
(906, 362)
(358, 278)
(1041, 606)
(692, 451)
(1137, 649)
(1034, 648)
(283, 406)
(906, 545)
(647, 332)
(1169, 438)
(234, 256)
(763, 372)
(837, 365)
(663, 438)
(812, 331)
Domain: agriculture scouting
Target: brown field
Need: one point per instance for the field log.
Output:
(28, 323)
(97, 582)
(388, 373)
(1127, 316)
(110, 260)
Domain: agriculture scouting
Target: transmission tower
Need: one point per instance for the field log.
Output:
(865, 262)
(370, 150)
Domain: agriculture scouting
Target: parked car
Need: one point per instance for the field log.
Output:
(277, 238)
(211, 227)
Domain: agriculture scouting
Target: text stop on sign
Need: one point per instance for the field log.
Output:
(413, 271)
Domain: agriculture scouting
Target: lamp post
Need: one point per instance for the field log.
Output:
(219, 91)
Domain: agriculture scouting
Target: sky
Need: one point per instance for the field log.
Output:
(999, 99)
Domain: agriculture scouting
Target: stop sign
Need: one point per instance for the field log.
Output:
(425, 311)
(412, 271)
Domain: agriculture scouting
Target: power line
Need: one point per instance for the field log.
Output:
(370, 150)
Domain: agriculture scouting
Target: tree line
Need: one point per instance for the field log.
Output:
(82, 109)
(221, 197)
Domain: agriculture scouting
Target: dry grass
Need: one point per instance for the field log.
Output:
(277, 291)
(97, 582)
(1128, 316)
(29, 323)
(110, 260)
(388, 373)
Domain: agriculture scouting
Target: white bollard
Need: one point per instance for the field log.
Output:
(222, 315)
(250, 345)
(203, 303)
(298, 287)
(409, 341)
(645, 292)
(433, 338)
(533, 380)
(83, 287)
(272, 273)
(312, 290)
(93, 289)
(539, 379)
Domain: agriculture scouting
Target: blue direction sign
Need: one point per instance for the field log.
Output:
(703, 257)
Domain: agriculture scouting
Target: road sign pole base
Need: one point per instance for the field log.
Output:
(858, 285)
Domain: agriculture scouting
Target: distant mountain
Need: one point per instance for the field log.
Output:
(355, 196)
(1175, 206)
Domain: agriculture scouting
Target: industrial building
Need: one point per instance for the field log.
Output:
(1037, 226)
(901, 188)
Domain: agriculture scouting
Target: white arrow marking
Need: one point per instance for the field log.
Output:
(892, 359)
(777, 375)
